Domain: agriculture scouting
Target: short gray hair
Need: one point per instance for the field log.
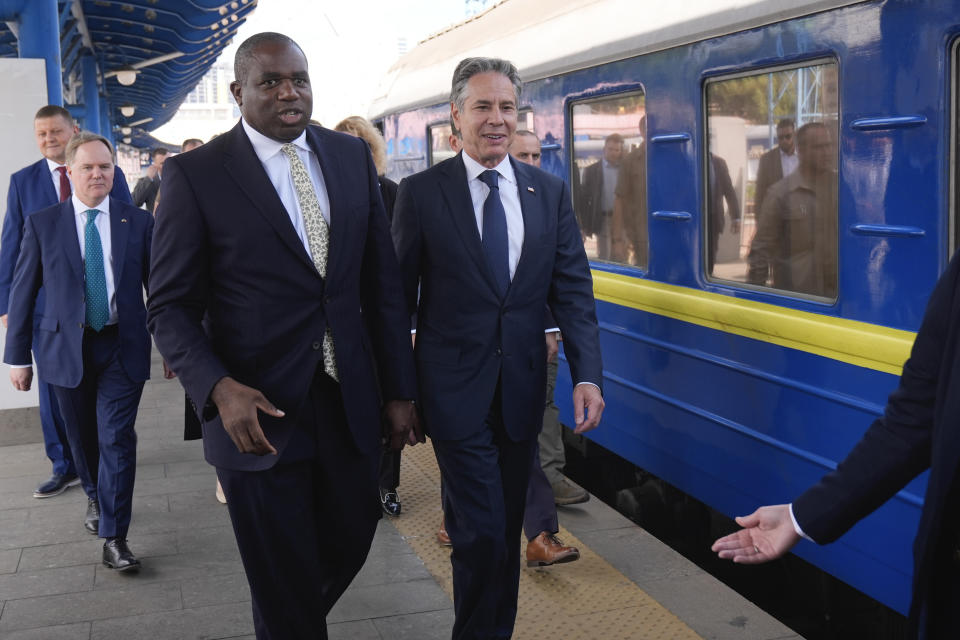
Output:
(470, 67)
(83, 138)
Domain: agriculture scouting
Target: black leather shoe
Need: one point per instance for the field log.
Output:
(91, 521)
(390, 502)
(117, 555)
(57, 484)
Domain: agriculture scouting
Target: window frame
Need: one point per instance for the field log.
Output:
(822, 58)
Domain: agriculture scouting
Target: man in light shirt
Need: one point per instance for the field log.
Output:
(777, 163)
(38, 186)
(90, 254)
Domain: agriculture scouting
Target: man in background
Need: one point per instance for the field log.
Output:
(38, 186)
(145, 191)
(598, 189)
(190, 144)
(777, 163)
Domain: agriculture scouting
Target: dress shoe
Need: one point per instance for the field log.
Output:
(91, 521)
(57, 484)
(442, 536)
(565, 492)
(221, 497)
(390, 502)
(546, 549)
(117, 555)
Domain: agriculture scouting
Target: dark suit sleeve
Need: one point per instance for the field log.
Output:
(383, 303)
(897, 446)
(120, 189)
(406, 240)
(571, 298)
(179, 285)
(27, 278)
(10, 240)
(143, 191)
(726, 187)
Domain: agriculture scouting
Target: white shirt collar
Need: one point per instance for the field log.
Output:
(52, 166)
(265, 147)
(474, 168)
(79, 208)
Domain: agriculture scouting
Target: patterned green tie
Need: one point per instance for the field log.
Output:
(98, 308)
(318, 238)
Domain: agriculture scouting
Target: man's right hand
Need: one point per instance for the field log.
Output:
(767, 534)
(21, 378)
(238, 405)
(3, 319)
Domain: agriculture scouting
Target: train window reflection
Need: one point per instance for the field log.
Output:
(770, 180)
(440, 138)
(610, 177)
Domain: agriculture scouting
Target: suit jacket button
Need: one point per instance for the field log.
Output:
(316, 346)
(499, 352)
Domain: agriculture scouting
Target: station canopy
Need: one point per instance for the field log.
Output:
(166, 46)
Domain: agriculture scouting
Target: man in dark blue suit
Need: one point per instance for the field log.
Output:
(275, 298)
(488, 242)
(38, 186)
(919, 430)
(90, 254)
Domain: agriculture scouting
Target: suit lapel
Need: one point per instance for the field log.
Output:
(456, 193)
(42, 178)
(241, 162)
(119, 233)
(333, 180)
(69, 240)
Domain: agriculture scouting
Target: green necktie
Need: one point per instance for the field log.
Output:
(98, 308)
(318, 238)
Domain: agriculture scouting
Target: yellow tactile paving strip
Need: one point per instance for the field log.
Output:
(587, 599)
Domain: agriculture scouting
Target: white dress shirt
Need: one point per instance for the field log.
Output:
(55, 176)
(788, 163)
(277, 166)
(509, 196)
(102, 223)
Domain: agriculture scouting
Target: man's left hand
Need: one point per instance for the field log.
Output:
(402, 425)
(587, 407)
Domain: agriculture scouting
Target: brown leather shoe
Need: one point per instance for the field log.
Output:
(546, 549)
(442, 536)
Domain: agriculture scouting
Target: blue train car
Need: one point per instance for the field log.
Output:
(745, 351)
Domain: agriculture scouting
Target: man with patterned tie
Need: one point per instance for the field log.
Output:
(275, 298)
(484, 243)
(90, 255)
(38, 186)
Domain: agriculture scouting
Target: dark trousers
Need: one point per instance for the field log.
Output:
(304, 526)
(390, 468)
(99, 415)
(485, 485)
(540, 513)
(55, 441)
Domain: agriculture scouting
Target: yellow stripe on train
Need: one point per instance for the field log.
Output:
(858, 343)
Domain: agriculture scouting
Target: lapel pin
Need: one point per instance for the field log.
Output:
(531, 190)
(123, 219)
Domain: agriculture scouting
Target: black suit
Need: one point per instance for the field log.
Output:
(721, 188)
(481, 364)
(235, 293)
(920, 430)
(769, 172)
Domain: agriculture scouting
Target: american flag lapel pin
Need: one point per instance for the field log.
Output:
(531, 190)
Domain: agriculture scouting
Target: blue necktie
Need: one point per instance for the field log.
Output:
(98, 309)
(495, 244)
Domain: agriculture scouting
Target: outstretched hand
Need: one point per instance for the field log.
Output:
(767, 534)
(238, 405)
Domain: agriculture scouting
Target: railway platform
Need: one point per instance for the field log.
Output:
(626, 584)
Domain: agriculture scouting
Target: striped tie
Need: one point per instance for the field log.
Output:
(318, 239)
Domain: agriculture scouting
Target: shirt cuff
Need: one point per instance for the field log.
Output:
(553, 330)
(21, 366)
(590, 383)
(796, 525)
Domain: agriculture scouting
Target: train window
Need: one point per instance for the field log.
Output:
(773, 147)
(955, 155)
(610, 177)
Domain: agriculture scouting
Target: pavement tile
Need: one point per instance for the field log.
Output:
(79, 631)
(383, 568)
(90, 551)
(101, 604)
(207, 591)
(360, 603)
(181, 566)
(29, 584)
(358, 630)
(638, 555)
(429, 625)
(190, 468)
(207, 623)
(9, 560)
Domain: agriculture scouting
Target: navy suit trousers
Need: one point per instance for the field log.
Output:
(485, 485)
(99, 415)
(304, 526)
